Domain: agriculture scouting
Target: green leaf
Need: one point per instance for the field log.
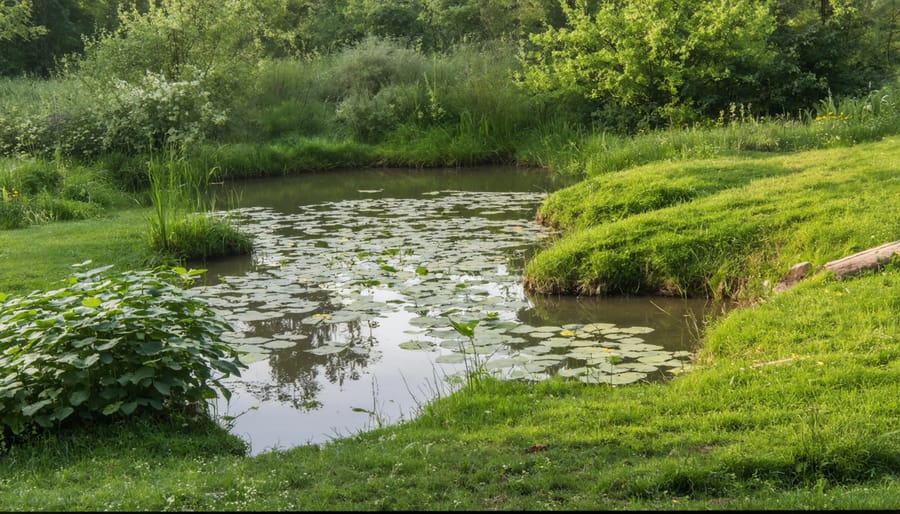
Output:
(150, 347)
(466, 328)
(45, 323)
(162, 387)
(29, 410)
(144, 372)
(63, 412)
(128, 408)
(421, 271)
(83, 342)
(112, 408)
(92, 302)
(78, 397)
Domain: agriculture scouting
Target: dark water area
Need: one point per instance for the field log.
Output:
(344, 311)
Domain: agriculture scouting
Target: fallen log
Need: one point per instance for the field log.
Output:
(870, 259)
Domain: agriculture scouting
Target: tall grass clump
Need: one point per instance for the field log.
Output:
(180, 223)
(288, 97)
(829, 123)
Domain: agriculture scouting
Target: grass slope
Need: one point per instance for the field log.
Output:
(718, 227)
(794, 406)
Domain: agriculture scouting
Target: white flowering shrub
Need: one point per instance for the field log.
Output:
(131, 117)
(157, 111)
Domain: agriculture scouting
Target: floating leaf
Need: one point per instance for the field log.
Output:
(417, 345)
(327, 350)
(572, 372)
(451, 358)
(279, 344)
(500, 363)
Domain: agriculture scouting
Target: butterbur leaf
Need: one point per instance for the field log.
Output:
(44, 323)
(29, 410)
(112, 408)
(150, 347)
(162, 387)
(128, 408)
(78, 397)
(92, 302)
(62, 413)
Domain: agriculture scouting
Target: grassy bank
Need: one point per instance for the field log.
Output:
(793, 404)
(719, 227)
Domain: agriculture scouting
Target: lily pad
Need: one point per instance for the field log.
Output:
(417, 345)
(327, 349)
(278, 344)
(451, 358)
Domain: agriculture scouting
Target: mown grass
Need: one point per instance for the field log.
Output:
(722, 227)
(39, 256)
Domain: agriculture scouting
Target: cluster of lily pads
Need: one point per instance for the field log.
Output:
(358, 263)
(594, 352)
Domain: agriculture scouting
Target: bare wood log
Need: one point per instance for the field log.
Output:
(872, 258)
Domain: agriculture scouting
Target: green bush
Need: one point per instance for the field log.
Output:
(106, 346)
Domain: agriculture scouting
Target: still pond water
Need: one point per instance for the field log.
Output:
(344, 308)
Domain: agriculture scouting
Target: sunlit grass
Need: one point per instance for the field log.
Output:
(718, 227)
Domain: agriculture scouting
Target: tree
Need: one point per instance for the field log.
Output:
(837, 47)
(15, 20)
(650, 62)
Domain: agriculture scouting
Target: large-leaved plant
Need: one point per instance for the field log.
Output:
(105, 346)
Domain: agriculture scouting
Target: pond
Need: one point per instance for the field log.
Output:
(345, 310)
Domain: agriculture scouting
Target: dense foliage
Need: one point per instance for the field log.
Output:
(630, 63)
(655, 63)
(106, 346)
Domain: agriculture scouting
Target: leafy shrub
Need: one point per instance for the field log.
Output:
(51, 208)
(109, 346)
(155, 111)
(367, 116)
(373, 64)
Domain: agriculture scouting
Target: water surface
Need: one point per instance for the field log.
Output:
(344, 310)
